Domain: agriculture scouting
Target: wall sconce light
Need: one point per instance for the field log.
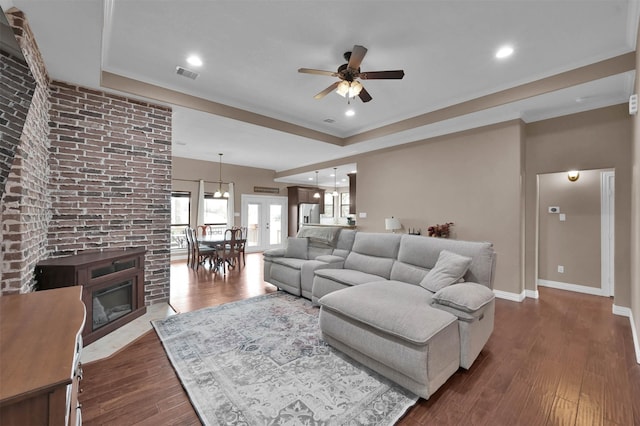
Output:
(573, 175)
(391, 224)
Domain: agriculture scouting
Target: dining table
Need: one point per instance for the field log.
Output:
(215, 240)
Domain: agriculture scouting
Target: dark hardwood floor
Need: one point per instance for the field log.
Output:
(564, 359)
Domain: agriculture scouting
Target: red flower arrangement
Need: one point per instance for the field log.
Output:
(440, 231)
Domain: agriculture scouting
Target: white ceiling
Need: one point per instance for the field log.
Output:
(252, 50)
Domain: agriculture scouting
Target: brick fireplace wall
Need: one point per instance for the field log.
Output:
(92, 171)
(24, 207)
(111, 178)
(17, 89)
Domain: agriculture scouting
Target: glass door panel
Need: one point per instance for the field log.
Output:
(253, 224)
(275, 224)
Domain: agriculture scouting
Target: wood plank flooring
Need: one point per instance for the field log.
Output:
(564, 359)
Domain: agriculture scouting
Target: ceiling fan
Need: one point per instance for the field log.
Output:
(349, 73)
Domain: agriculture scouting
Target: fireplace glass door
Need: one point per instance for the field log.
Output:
(111, 303)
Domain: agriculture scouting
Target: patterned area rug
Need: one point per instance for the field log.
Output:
(261, 361)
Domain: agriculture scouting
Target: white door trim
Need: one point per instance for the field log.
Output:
(607, 231)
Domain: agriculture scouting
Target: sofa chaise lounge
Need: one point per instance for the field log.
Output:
(412, 308)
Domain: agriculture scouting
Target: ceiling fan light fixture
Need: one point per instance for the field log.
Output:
(350, 89)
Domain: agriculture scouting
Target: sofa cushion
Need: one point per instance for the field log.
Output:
(380, 266)
(407, 273)
(468, 297)
(348, 276)
(297, 248)
(424, 252)
(377, 244)
(449, 268)
(392, 307)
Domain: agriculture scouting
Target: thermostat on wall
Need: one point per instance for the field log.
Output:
(554, 209)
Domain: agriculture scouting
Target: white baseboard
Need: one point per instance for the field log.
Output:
(532, 294)
(514, 297)
(573, 287)
(626, 312)
(636, 338)
(622, 311)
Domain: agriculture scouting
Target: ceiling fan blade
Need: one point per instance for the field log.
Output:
(357, 55)
(373, 75)
(328, 90)
(318, 72)
(364, 95)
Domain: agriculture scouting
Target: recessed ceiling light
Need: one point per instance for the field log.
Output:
(350, 113)
(194, 61)
(310, 178)
(504, 52)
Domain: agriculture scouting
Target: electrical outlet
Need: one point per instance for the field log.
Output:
(561, 269)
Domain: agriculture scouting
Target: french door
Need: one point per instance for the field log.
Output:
(266, 220)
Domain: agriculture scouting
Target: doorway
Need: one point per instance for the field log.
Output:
(266, 220)
(575, 232)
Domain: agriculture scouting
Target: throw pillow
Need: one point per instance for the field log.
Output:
(297, 248)
(467, 297)
(449, 268)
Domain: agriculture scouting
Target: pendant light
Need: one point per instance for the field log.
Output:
(219, 193)
(335, 182)
(317, 193)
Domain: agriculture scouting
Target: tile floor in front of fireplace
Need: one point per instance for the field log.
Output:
(119, 338)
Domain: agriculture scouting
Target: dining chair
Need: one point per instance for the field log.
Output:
(242, 243)
(189, 240)
(227, 250)
(201, 252)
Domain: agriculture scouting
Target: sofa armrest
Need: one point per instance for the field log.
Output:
(465, 300)
(330, 258)
(308, 269)
(276, 252)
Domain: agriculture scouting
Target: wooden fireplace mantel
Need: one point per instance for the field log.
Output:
(96, 271)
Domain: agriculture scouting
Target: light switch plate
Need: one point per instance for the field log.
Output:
(362, 215)
(563, 217)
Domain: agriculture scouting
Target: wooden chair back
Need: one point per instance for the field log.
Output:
(228, 250)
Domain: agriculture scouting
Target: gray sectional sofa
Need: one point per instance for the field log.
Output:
(412, 308)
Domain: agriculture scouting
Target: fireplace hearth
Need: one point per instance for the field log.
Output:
(112, 281)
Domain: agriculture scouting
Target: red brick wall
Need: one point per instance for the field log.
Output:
(110, 186)
(24, 207)
(92, 171)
